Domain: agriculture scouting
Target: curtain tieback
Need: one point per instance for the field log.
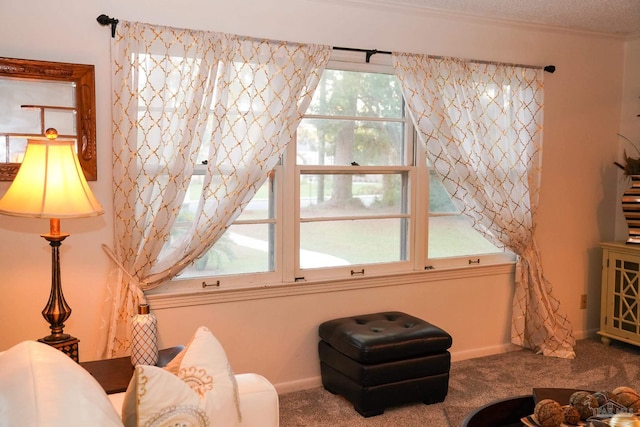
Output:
(528, 256)
(150, 282)
(113, 257)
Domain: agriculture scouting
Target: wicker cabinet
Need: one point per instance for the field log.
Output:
(620, 303)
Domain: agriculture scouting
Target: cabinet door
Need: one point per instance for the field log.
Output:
(623, 303)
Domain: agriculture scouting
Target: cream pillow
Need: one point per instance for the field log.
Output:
(197, 388)
(41, 386)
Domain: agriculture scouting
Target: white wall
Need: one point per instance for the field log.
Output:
(277, 336)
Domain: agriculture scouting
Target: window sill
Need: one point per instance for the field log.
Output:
(215, 296)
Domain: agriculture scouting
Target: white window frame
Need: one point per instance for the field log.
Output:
(288, 278)
(354, 61)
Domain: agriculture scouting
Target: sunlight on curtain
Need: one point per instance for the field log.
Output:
(186, 100)
(482, 126)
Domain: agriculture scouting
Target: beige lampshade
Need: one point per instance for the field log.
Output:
(50, 184)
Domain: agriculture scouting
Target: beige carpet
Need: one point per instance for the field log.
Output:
(474, 383)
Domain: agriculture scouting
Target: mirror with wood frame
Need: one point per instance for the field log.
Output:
(37, 95)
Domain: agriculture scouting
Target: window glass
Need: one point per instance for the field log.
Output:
(327, 141)
(450, 233)
(357, 93)
(325, 195)
(349, 242)
(245, 247)
(354, 118)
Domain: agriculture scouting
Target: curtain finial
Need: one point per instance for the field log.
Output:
(104, 20)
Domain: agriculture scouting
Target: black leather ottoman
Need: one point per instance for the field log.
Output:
(384, 359)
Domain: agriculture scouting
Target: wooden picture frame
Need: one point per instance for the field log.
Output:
(82, 80)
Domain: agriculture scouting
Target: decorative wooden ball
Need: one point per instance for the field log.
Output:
(627, 397)
(549, 413)
(571, 415)
(577, 397)
(584, 402)
(602, 397)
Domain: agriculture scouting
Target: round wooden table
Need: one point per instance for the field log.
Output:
(501, 413)
(509, 411)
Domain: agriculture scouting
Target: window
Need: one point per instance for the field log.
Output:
(355, 173)
(353, 196)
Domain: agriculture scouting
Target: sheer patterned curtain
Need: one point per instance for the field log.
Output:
(482, 126)
(182, 98)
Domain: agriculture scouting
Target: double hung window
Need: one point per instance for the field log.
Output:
(354, 195)
(354, 177)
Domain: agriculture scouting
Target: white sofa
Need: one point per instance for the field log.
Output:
(258, 401)
(40, 386)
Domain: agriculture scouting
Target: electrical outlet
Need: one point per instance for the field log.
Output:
(583, 302)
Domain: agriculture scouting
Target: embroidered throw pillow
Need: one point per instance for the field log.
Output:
(196, 389)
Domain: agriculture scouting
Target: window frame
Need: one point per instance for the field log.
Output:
(287, 272)
(354, 61)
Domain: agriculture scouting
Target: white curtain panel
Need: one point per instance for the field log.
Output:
(482, 126)
(180, 96)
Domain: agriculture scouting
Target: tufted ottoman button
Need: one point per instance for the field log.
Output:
(384, 359)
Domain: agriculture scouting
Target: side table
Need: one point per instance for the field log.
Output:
(115, 374)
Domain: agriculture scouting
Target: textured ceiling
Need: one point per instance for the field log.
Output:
(607, 16)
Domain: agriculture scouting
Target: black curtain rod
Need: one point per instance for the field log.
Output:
(105, 20)
(371, 52)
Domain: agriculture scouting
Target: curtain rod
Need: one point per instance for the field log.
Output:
(105, 20)
(370, 52)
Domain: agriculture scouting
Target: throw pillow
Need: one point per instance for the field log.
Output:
(41, 386)
(196, 389)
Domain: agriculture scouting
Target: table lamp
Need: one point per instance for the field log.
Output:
(50, 184)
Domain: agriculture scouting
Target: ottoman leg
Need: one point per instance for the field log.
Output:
(368, 412)
(438, 389)
(360, 397)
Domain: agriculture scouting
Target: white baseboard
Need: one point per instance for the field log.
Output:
(314, 382)
(505, 348)
(298, 385)
(484, 351)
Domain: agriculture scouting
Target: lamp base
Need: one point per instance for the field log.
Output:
(68, 346)
(57, 311)
(55, 338)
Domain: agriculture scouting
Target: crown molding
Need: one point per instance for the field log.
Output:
(413, 9)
